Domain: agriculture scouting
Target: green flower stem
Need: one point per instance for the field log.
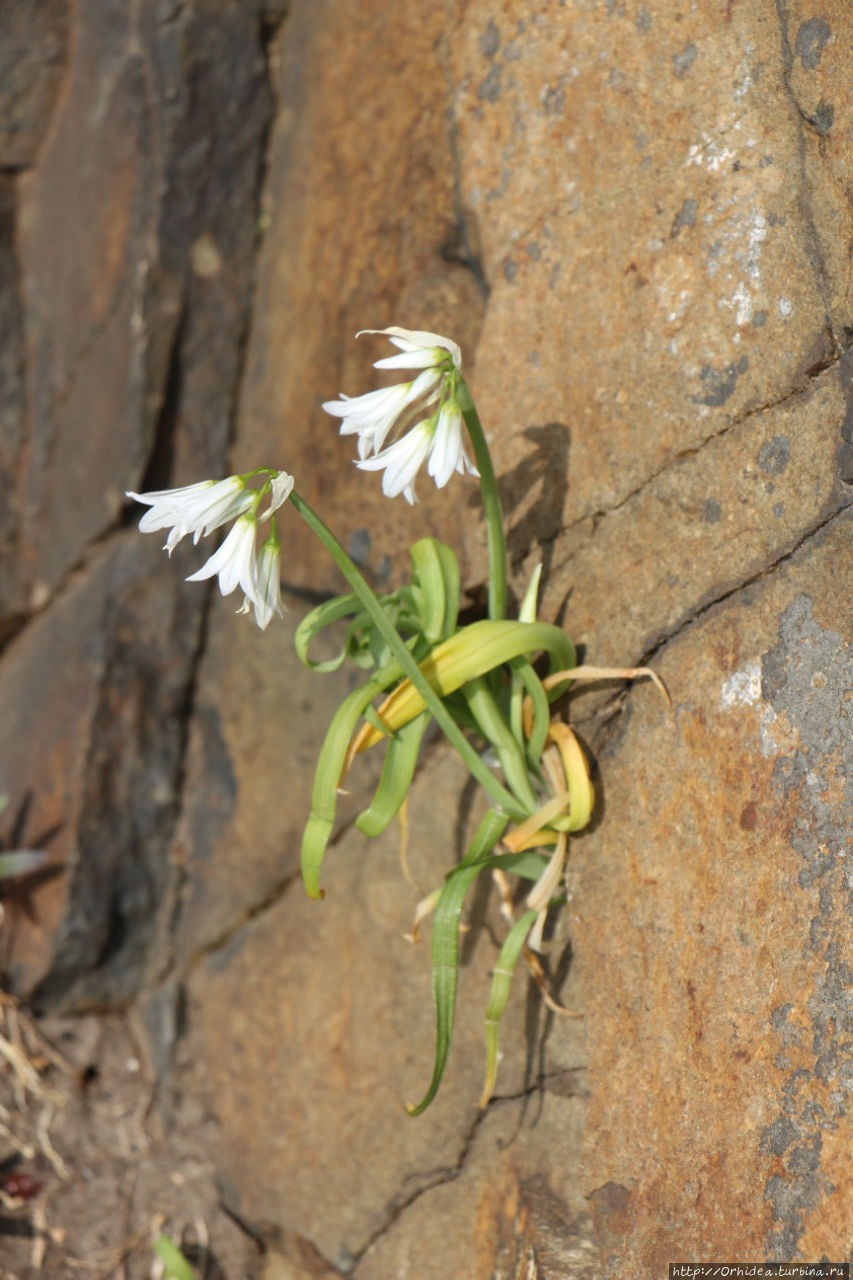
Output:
(499, 794)
(491, 502)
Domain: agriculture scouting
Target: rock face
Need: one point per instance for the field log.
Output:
(636, 220)
(133, 150)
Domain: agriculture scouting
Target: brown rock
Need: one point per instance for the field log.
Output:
(711, 925)
(654, 276)
(91, 698)
(652, 221)
(365, 230)
(154, 148)
(707, 524)
(125, 272)
(33, 49)
(259, 722)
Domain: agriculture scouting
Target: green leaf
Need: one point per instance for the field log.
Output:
(445, 943)
(471, 652)
(318, 829)
(397, 773)
(435, 578)
(501, 983)
(177, 1267)
(496, 731)
(316, 621)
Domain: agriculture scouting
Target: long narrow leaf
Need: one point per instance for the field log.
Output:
(469, 653)
(435, 575)
(499, 996)
(496, 731)
(330, 764)
(397, 773)
(445, 944)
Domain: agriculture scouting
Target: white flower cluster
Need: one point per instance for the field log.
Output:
(436, 439)
(199, 509)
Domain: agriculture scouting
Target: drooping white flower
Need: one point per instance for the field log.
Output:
(401, 461)
(437, 438)
(268, 602)
(234, 562)
(447, 452)
(372, 415)
(196, 508)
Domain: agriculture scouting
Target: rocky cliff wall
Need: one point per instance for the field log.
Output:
(636, 220)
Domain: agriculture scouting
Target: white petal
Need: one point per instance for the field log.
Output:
(234, 561)
(412, 339)
(281, 487)
(423, 358)
(401, 461)
(447, 449)
(174, 496)
(268, 602)
(195, 508)
(372, 416)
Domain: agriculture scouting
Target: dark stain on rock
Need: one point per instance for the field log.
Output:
(811, 41)
(682, 62)
(720, 383)
(759, 319)
(533, 251)
(644, 19)
(490, 40)
(749, 816)
(490, 88)
(807, 677)
(358, 545)
(554, 100)
(712, 512)
(845, 451)
(686, 217)
(823, 117)
(510, 269)
(209, 819)
(774, 455)
(611, 1214)
(778, 1136)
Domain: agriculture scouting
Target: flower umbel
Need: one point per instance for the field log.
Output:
(436, 438)
(201, 508)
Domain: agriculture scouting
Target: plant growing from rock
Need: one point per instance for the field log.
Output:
(478, 682)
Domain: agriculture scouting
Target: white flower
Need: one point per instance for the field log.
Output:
(268, 601)
(197, 508)
(437, 438)
(447, 453)
(234, 562)
(401, 462)
(372, 415)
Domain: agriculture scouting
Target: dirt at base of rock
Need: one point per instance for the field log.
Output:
(119, 1163)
